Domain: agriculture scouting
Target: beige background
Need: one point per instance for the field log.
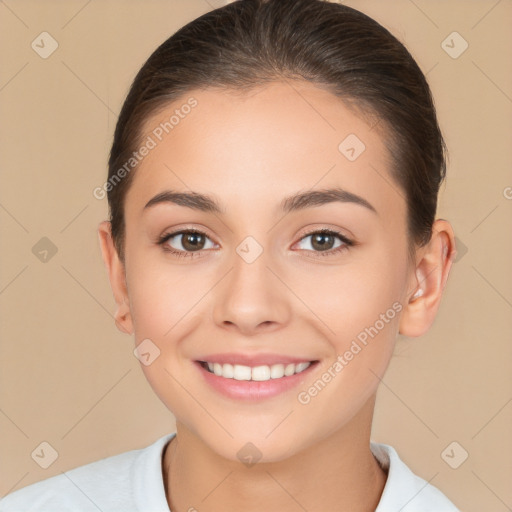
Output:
(69, 378)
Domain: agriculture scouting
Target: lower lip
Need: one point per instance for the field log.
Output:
(254, 390)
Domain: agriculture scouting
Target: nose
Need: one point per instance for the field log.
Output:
(251, 298)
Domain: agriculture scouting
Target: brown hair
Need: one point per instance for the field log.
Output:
(252, 42)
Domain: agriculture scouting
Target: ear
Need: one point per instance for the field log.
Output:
(117, 277)
(433, 265)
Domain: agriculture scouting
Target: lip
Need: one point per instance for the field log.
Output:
(253, 359)
(248, 390)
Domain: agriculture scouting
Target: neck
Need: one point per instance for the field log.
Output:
(337, 473)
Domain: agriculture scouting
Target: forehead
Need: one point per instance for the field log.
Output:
(262, 144)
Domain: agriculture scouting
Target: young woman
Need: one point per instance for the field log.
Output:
(273, 186)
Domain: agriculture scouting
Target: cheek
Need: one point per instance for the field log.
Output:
(352, 297)
(362, 311)
(359, 305)
(162, 300)
(163, 294)
(166, 302)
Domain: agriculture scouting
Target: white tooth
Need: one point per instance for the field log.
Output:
(241, 372)
(258, 373)
(301, 367)
(277, 371)
(227, 371)
(261, 373)
(289, 369)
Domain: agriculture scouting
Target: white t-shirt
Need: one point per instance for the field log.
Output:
(133, 482)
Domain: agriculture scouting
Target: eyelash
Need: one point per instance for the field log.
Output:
(191, 254)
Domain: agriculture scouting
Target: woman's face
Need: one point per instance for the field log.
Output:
(259, 285)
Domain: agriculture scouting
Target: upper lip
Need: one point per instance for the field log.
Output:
(254, 359)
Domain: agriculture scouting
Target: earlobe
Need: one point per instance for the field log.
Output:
(117, 278)
(431, 273)
(123, 319)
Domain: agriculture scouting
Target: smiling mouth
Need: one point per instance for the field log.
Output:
(255, 373)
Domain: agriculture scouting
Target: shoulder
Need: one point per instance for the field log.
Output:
(109, 484)
(404, 490)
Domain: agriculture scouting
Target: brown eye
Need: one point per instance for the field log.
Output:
(183, 242)
(325, 241)
(192, 241)
(322, 241)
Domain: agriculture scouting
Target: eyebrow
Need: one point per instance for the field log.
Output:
(299, 201)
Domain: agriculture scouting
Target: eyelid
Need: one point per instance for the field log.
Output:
(186, 229)
(343, 233)
(346, 241)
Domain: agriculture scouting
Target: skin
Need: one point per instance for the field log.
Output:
(249, 151)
